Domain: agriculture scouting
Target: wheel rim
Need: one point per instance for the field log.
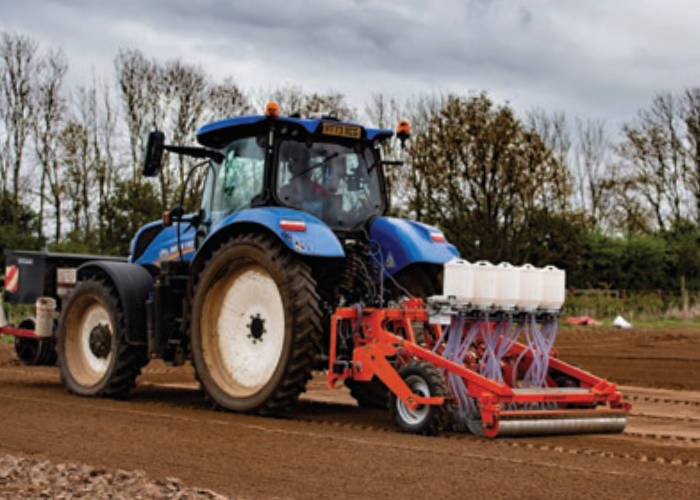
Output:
(86, 316)
(243, 331)
(417, 416)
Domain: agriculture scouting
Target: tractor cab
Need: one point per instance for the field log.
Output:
(323, 167)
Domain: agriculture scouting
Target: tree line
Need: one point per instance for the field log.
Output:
(616, 208)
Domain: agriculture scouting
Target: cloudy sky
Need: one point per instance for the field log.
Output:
(602, 59)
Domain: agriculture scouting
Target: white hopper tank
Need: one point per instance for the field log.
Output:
(458, 281)
(485, 284)
(553, 288)
(508, 289)
(531, 281)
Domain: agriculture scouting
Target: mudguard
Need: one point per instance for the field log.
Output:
(405, 242)
(133, 284)
(313, 238)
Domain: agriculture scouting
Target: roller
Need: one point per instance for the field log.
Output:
(575, 423)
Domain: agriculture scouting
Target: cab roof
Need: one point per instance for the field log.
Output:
(218, 134)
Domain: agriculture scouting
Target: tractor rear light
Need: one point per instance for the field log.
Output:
(437, 237)
(293, 225)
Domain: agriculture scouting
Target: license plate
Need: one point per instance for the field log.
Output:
(349, 131)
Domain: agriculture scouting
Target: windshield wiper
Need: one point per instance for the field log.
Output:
(316, 165)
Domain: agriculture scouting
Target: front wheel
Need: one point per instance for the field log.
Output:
(425, 380)
(255, 322)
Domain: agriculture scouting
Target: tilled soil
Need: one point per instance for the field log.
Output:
(644, 357)
(330, 448)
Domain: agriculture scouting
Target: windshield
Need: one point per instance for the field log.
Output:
(338, 184)
(233, 183)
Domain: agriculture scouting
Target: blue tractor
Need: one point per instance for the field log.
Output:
(292, 224)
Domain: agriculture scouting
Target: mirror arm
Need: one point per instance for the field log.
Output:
(195, 152)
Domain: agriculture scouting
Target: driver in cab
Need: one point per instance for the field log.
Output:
(308, 183)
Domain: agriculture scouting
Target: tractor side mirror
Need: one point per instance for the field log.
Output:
(154, 153)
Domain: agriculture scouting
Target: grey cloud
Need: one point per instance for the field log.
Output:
(600, 59)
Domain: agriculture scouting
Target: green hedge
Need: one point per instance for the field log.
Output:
(639, 305)
(639, 262)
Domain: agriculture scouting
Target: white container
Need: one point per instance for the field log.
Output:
(553, 288)
(530, 295)
(458, 280)
(45, 309)
(485, 284)
(508, 289)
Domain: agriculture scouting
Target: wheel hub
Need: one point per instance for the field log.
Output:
(257, 328)
(100, 341)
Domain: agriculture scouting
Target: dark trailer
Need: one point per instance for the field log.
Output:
(41, 279)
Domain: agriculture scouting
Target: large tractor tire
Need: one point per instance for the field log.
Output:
(255, 323)
(94, 356)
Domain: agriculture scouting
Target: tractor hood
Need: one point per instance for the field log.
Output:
(405, 242)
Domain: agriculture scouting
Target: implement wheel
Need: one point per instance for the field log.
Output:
(34, 351)
(92, 350)
(419, 282)
(255, 321)
(425, 380)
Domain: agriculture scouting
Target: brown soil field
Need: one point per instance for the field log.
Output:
(667, 358)
(329, 448)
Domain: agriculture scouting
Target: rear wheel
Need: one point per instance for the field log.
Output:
(92, 350)
(425, 380)
(255, 322)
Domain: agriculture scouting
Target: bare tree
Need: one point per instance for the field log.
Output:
(18, 61)
(691, 112)
(188, 86)
(142, 95)
(50, 107)
(553, 129)
(654, 148)
(289, 97)
(592, 160)
(105, 173)
(226, 100)
(292, 100)
(75, 141)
